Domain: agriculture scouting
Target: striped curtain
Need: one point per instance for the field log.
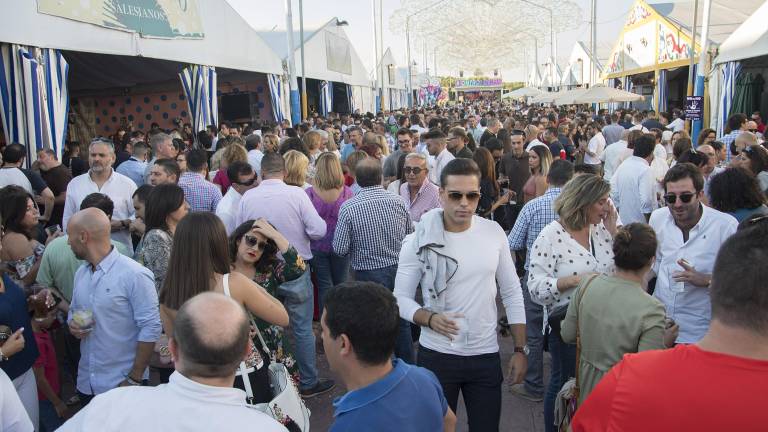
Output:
(351, 96)
(276, 97)
(199, 83)
(326, 97)
(662, 90)
(34, 98)
(730, 71)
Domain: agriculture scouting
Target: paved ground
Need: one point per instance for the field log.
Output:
(517, 414)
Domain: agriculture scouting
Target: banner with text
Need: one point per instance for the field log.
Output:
(152, 18)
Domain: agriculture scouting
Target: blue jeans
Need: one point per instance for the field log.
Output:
(49, 419)
(330, 270)
(386, 276)
(299, 302)
(477, 377)
(534, 317)
(563, 368)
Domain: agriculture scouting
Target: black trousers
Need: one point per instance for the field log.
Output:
(478, 378)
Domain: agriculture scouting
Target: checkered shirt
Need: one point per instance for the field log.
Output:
(535, 215)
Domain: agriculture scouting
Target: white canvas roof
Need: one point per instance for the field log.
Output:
(316, 55)
(389, 59)
(724, 18)
(749, 40)
(229, 41)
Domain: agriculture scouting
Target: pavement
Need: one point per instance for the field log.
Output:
(517, 414)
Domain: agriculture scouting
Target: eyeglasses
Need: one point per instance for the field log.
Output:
(252, 242)
(457, 196)
(414, 170)
(685, 197)
(752, 130)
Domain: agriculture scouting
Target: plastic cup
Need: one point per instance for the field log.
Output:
(83, 318)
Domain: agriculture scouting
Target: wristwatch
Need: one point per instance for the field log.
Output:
(523, 349)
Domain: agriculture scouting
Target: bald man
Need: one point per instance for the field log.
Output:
(114, 310)
(742, 141)
(209, 341)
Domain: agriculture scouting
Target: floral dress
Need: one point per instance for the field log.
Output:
(290, 268)
(18, 269)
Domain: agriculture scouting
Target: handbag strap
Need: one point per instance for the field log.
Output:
(580, 297)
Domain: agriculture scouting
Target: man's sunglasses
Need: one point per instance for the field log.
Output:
(414, 170)
(457, 196)
(252, 242)
(684, 197)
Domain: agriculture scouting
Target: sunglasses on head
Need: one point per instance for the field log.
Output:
(685, 197)
(247, 183)
(414, 170)
(457, 196)
(252, 242)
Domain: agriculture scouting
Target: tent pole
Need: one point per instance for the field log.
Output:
(699, 90)
(293, 83)
(304, 113)
(692, 55)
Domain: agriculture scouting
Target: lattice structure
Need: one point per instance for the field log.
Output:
(483, 34)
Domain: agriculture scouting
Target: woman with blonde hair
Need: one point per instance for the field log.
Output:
(233, 153)
(381, 142)
(539, 160)
(296, 167)
(327, 195)
(270, 142)
(564, 256)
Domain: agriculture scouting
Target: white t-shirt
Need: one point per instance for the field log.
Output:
(14, 176)
(13, 416)
(677, 125)
(597, 146)
(483, 258)
(227, 209)
(613, 156)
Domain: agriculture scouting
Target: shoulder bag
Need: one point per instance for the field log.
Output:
(286, 405)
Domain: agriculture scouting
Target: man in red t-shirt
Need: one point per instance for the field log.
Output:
(718, 384)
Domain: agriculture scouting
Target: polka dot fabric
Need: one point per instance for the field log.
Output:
(556, 254)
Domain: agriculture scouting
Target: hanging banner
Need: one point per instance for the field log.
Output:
(150, 18)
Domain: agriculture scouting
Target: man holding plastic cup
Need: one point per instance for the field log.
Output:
(457, 259)
(114, 310)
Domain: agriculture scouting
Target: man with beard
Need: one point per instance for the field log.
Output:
(102, 178)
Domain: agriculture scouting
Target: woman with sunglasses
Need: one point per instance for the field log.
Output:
(200, 262)
(754, 159)
(253, 249)
(163, 210)
(22, 253)
(564, 256)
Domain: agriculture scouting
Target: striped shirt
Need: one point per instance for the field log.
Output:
(727, 140)
(201, 194)
(371, 228)
(535, 215)
(427, 198)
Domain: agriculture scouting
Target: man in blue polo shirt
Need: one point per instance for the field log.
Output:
(360, 325)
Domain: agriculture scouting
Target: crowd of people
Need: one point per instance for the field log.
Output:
(165, 272)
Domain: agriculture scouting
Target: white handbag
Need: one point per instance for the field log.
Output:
(286, 403)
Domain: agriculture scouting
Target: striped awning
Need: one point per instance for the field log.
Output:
(34, 98)
(199, 83)
(276, 91)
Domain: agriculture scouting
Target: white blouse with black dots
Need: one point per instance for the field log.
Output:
(557, 254)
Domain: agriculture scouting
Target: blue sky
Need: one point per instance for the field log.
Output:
(268, 14)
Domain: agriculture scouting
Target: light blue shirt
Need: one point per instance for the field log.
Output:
(346, 150)
(133, 169)
(121, 293)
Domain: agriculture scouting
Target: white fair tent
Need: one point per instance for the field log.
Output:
(546, 97)
(524, 92)
(600, 93)
(328, 56)
(749, 40)
(568, 97)
(228, 41)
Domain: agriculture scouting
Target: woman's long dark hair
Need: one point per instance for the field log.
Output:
(268, 258)
(199, 252)
(163, 200)
(13, 208)
(484, 160)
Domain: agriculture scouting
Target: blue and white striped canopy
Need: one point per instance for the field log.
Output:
(276, 96)
(730, 72)
(199, 83)
(326, 97)
(34, 98)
